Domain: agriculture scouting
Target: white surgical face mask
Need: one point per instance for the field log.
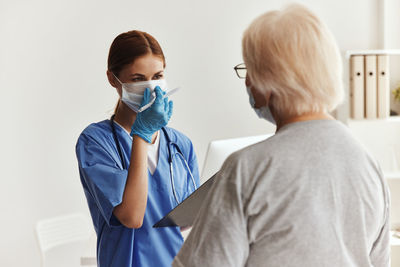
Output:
(132, 93)
(262, 112)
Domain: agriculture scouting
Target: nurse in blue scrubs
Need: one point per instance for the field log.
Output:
(133, 168)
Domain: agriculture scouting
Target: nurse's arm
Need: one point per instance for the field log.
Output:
(133, 206)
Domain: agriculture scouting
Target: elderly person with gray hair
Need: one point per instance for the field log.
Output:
(310, 195)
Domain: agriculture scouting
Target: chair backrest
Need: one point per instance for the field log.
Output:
(70, 233)
(219, 150)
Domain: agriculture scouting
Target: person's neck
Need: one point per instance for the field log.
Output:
(125, 116)
(304, 117)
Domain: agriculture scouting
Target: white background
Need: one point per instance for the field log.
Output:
(52, 79)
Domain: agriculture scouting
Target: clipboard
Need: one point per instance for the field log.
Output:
(184, 214)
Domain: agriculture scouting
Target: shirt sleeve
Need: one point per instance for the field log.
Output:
(380, 252)
(219, 235)
(101, 177)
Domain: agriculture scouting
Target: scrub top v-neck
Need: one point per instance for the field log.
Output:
(153, 150)
(103, 180)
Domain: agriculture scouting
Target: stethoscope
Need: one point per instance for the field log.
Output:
(171, 156)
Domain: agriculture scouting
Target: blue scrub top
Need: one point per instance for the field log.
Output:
(103, 180)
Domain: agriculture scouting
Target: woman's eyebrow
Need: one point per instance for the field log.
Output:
(137, 74)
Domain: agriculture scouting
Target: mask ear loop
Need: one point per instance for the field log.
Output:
(117, 78)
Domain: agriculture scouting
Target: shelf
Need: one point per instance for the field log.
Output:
(378, 126)
(372, 52)
(394, 119)
(392, 175)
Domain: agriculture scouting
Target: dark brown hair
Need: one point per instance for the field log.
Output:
(128, 46)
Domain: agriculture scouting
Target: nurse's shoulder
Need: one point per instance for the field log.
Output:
(97, 129)
(98, 133)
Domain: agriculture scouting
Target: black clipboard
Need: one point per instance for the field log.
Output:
(184, 214)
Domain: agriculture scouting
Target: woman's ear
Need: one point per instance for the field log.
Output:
(260, 98)
(111, 79)
(114, 83)
(247, 81)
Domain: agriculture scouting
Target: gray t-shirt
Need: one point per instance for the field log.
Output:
(308, 196)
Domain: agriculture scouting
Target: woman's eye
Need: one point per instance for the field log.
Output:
(158, 77)
(137, 79)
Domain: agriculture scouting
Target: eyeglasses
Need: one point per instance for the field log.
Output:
(241, 70)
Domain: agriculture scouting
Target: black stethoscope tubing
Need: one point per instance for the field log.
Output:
(117, 143)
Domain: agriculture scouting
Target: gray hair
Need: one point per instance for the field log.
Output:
(293, 55)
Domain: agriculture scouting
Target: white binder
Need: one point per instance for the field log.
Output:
(357, 87)
(383, 86)
(370, 87)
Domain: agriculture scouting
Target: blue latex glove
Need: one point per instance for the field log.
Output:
(155, 117)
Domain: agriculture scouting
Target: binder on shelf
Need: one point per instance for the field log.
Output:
(383, 86)
(357, 87)
(370, 87)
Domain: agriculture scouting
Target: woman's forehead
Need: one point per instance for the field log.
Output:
(148, 64)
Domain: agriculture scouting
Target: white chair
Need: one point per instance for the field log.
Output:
(62, 240)
(219, 150)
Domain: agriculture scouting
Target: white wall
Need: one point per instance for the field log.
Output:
(392, 41)
(52, 75)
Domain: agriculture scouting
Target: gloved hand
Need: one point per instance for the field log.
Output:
(154, 118)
